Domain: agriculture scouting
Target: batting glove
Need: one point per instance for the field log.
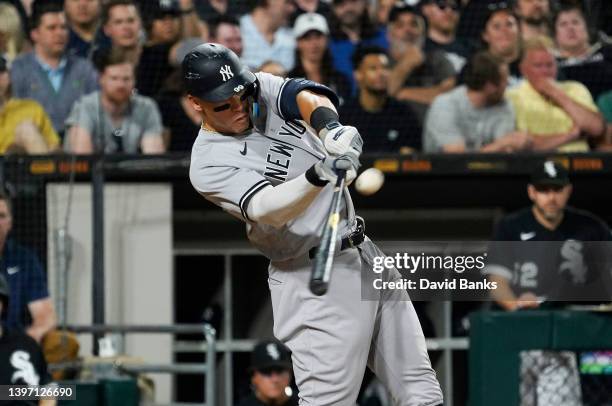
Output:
(339, 139)
(326, 170)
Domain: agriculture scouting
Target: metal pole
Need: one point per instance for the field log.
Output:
(448, 354)
(211, 361)
(227, 331)
(98, 307)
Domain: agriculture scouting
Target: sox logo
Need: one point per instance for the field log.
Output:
(20, 360)
(226, 73)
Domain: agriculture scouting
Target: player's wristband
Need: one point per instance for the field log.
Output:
(322, 117)
(313, 178)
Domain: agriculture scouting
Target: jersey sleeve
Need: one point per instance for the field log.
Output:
(269, 88)
(228, 187)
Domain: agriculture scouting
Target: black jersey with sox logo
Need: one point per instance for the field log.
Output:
(549, 262)
(21, 363)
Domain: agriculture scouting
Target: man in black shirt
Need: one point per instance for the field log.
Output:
(270, 376)
(21, 359)
(386, 124)
(528, 273)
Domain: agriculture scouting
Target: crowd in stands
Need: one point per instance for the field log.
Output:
(437, 76)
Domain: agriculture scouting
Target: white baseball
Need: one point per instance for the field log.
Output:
(370, 181)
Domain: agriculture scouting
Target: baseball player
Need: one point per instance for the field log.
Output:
(267, 153)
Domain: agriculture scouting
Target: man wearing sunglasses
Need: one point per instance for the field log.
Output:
(269, 153)
(442, 19)
(527, 274)
(270, 376)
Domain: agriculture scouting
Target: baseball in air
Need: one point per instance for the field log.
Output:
(370, 181)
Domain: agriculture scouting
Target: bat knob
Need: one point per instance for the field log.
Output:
(318, 287)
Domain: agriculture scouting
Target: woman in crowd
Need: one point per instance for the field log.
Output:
(12, 38)
(501, 37)
(313, 60)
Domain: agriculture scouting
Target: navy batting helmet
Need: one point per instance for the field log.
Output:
(214, 73)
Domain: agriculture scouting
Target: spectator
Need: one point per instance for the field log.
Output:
(604, 102)
(30, 308)
(12, 38)
(49, 75)
(24, 125)
(181, 122)
(578, 60)
(269, 37)
(501, 37)
(121, 24)
(417, 77)
(210, 9)
(350, 26)
(22, 360)
(273, 68)
(534, 17)
(223, 29)
(555, 113)
(442, 18)
(385, 124)
(475, 116)
(83, 20)
(309, 6)
(312, 59)
(530, 272)
(115, 118)
(271, 373)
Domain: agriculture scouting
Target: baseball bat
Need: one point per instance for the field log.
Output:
(324, 258)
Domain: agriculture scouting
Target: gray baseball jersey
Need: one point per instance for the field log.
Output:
(229, 170)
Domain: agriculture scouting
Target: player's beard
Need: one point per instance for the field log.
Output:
(552, 215)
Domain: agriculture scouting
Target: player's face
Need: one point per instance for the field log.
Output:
(6, 220)
(501, 33)
(373, 73)
(550, 201)
(117, 82)
(571, 31)
(539, 64)
(231, 116)
(123, 26)
(270, 384)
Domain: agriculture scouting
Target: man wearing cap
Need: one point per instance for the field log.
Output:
(526, 275)
(270, 376)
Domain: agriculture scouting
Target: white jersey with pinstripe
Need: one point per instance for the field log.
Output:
(229, 170)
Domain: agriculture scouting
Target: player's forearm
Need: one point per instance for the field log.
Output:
(308, 102)
(278, 205)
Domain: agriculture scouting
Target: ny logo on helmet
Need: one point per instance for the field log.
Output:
(226, 73)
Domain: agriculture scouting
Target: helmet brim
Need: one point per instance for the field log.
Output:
(228, 89)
